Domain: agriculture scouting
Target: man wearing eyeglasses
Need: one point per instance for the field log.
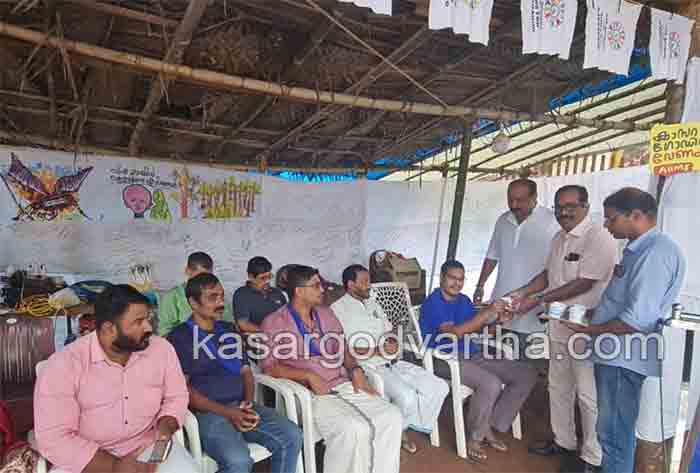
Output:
(628, 345)
(306, 344)
(257, 299)
(578, 269)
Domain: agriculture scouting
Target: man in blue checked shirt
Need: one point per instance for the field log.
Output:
(626, 324)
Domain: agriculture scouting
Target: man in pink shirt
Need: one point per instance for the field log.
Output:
(101, 402)
(579, 267)
(306, 344)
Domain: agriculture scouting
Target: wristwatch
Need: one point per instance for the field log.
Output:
(539, 297)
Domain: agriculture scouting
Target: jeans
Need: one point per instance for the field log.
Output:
(619, 391)
(229, 447)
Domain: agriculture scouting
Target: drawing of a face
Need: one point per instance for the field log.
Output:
(138, 199)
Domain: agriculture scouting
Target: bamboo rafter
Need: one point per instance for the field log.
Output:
(232, 82)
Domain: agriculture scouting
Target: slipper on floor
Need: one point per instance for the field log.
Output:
(496, 445)
(409, 446)
(477, 456)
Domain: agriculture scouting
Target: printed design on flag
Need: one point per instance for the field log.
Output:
(473, 4)
(616, 35)
(554, 11)
(674, 44)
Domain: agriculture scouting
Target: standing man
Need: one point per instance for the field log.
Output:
(107, 397)
(222, 387)
(579, 267)
(257, 299)
(173, 308)
(519, 247)
(628, 344)
(306, 344)
(417, 392)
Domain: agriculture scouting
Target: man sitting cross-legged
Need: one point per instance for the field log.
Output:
(417, 392)
(221, 387)
(362, 431)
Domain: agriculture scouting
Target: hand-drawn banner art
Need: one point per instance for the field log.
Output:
(45, 196)
(46, 186)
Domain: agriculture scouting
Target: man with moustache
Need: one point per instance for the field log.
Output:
(500, 386)
(103, 400)
(578, 269)
(306, 344)
(519, 247)
(416, 391)
(221, 387)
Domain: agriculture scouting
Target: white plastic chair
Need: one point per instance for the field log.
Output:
(459, 391)
(304, 407)
(395, 300)
(284, 402)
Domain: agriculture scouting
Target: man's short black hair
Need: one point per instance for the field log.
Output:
(200, 259)
(259, 265)
(582, 193)
(298, 276)
(114, 301)
(350, 273)
(630, 198)
(529, 183)
(197, 284)
(450, 264)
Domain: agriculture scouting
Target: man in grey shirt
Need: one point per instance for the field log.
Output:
(626, 324)
(257, 299)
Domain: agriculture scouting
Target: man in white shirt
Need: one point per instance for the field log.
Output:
(519, 246)
(418, 393)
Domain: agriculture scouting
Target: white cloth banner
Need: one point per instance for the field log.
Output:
(610, 31)
(680, 195)
(470, 17)
(691, 110)
(381, 7)
(669, 45)
(548, 26)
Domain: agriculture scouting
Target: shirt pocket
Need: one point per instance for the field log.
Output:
(570, 271)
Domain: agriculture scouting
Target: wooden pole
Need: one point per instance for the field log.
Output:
(460, 189)
(232, 82)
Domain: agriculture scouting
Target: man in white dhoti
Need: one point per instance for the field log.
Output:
(306, 344)
(417, 392)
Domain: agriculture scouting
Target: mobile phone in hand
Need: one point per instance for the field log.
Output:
(157, 453)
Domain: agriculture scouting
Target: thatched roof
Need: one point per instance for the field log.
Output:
(56, 97)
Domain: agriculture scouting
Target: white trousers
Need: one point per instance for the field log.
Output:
(362, 432)
(570, 379)
(418, 393)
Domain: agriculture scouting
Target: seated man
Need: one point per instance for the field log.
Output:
(417, 392)
(108, 396)
(222, 387)
(173, 308)
(362, 431)
(257, 299)
(446, 314)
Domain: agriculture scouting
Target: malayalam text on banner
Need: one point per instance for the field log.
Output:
(674, 149)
